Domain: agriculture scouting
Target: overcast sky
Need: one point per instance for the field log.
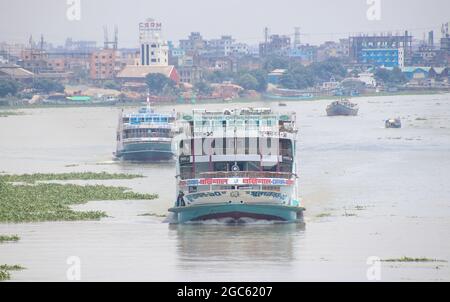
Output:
(319, 20)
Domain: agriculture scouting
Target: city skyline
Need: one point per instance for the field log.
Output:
(319, 21)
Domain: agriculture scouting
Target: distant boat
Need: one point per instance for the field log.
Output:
(282, 104)
(342, 107)
(145, 136)
(298, 97)
(393, 123)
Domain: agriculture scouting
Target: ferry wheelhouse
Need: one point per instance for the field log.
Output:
(237, 164)
(145, 135)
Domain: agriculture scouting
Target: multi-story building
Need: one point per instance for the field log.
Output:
(240, 49)
(382, 57)
(193, 43)
(154, 50)
(103, 64)
(190, 74)
(34, 60)
(331, 49)
(306, 54)
(219, 47)
(363, 43)
(153, 56)
(276, 44)
(81, 46)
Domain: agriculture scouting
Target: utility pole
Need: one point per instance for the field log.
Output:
(116, 37)
(105, 33)
(266, 40)
(297, 41)
(42, 42)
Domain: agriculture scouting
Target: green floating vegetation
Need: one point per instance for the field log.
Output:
(10, 113)
(410, 259)
(51, 202)
(321, 215)
(6, 267)
(4, 275)
(31, 178)
(153, 215)
(9, 238)
(5, 270)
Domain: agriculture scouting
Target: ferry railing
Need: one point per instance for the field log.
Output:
(242, 151)
(248, 174)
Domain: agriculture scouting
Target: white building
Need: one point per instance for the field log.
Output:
(240, 49)
(154, 50)
(368, 79)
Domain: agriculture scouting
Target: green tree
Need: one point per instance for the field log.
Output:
(47, 86)
(275, 62)
(298, 77)
(331, 68)
(247, 81)
(156, 82)
(203, 88)
(219, 76)
(261, 77)
(390, 77)
(112, 85)
(8, 87)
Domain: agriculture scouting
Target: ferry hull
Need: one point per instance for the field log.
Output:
(151, 151)
(235, 212)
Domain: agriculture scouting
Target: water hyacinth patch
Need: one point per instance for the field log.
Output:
(4, 275)
(31, 178)
(51, 202)
(9, 238)
(5, 269)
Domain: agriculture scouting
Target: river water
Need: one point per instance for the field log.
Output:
(369, 191)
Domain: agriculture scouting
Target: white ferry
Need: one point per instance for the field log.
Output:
(237, 164)
(145, 135)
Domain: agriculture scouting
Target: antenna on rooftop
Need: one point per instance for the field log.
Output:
(105, 33)
(116, 37)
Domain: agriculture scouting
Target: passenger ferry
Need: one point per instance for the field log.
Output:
(145, 135)
(237, 164)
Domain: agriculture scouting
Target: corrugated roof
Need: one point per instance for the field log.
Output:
(415, 68)
(439, 70)
(138, 71)
(16, 72)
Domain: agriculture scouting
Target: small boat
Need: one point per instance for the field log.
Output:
(342, 107)
(282, 104)
(393, 123)
(235, 180)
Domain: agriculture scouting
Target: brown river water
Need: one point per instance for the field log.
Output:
(368, 191)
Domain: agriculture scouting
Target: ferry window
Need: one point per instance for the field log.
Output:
(201, 168)
(285, 147)
(286, 167)
(221, 166)
(253, 166)
(269, 168)
(185, 172)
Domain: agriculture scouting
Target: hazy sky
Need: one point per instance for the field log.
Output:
(319, 20)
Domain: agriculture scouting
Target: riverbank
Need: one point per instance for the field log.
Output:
(242, 100)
